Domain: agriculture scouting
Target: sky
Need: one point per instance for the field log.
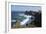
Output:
(24, 8)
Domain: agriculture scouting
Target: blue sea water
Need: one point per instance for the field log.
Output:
(15, 14)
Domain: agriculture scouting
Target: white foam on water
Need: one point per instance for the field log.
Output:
(25, 20)
(13, 20)
(21, 14)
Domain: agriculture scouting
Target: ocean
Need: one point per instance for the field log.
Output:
(16, 14)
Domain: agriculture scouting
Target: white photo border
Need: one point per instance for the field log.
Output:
(8, 13)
